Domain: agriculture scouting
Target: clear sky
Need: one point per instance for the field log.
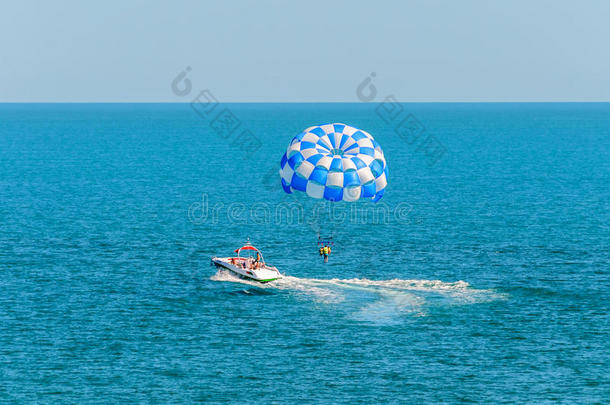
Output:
(261, 50)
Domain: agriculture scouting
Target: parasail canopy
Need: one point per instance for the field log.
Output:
(335, 162)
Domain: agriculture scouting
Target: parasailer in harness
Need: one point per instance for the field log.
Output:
(325, 251)
(324, 247)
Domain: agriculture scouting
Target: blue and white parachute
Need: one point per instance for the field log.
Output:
(335, 162)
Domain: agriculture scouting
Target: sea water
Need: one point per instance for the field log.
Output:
(481, 276)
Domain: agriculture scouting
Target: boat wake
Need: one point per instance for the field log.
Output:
(379, 301)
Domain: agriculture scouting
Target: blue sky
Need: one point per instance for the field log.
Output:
(261, 50)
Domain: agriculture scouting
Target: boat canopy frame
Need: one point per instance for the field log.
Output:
(248, 246)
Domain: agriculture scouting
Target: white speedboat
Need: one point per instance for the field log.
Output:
(249, 264)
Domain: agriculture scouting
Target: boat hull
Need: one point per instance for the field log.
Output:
(263, 275)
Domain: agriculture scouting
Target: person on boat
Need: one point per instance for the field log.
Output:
(257, 262)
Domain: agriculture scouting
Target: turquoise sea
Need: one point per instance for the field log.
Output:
(483, 276)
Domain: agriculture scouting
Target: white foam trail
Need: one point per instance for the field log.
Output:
(460, 290)
(320, 294)
(323, 295)
(422, 285)
(396, 297)
(390, 308)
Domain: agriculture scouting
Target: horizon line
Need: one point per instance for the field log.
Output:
(306, 102)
